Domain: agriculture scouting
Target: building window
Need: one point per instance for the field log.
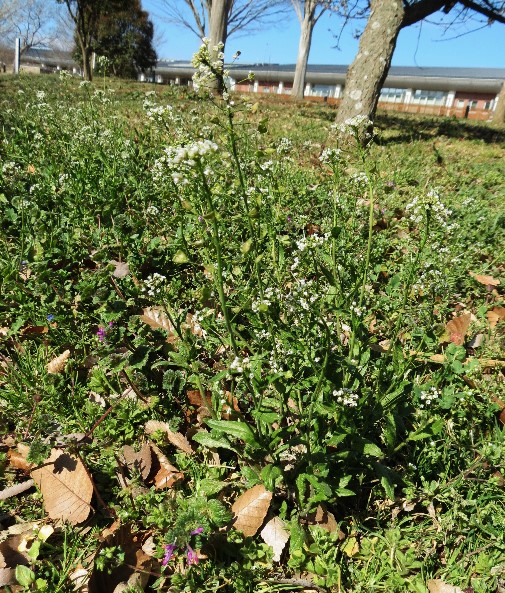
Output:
(461, 102)
(487, 105)
(391, 95)
(473, 104)
(423, 97)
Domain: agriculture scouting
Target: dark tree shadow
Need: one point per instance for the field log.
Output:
(429, 128)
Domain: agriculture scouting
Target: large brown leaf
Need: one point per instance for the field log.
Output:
(66, 487)
(157, 318)
(176, 438)
(274, 534)
(440, 586)
(10, 557)
(250, 509)
(58, 364)
(456, 328)
(167, 474)
(486, 280)
(139, 460)
(495, 315)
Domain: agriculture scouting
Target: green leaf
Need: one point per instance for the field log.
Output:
(180, 257)
(372, 450)
(34, 550)
(246, 246)
(24, 576)
(235, 428)
(210, 486)
(262, 126)
(211, 442)
(427, 431)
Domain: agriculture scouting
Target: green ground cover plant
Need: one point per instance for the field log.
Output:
(239, 354)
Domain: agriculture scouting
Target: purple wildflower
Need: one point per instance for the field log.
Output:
(50, 317)
(197, 531)
(169, 552)
(101, 333)
(192, 556)
(111, 323)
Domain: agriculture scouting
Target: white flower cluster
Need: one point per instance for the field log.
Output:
(9, 168)
(40, 95)
(428, 397)
(284, 146)
(155, 112)
(153, 284)
(181, 158)
(262, 304)
(356, 310)
(330, 156)
(431, 203)
(360, 180)
(206, 68)
(311, 241)
(302, 295)
(431, 278)
(267, 166)
(152, 210)
(238, 364)
(346, 397)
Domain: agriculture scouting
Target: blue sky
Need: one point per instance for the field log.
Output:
(423, 44)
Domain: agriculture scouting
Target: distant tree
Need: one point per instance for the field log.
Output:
(308, 13)
(121, 23)
(370, 67)
(33, 21)
(85, 15)
(125, 37)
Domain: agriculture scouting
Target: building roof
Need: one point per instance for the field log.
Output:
(416, 77)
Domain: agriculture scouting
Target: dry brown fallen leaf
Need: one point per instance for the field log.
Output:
(167, 474)
(34, 330)
(57, 365)
(66, 487)
(10, 557)
(440, 586)
(483, 279)
(326, 520)
(121, 268)
(133, 573)
(457, 328)
(176, 438)
(274, 534)
(495, 315)
(157, 318)
(18, 458)
(250, 509)
(139, 460)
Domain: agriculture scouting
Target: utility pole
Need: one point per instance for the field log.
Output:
(17, 54)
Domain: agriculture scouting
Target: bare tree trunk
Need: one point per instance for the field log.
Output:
(307, 26)
(367, 73)
(87, 71)
(499, 112)
(218, 31)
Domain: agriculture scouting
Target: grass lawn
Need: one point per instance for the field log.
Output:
(237, 356)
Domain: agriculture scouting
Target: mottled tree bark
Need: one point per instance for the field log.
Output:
(499, 112)
(367, 73)
(218, 28)
(307, 23)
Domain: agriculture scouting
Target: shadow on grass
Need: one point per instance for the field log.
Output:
(424, 128)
